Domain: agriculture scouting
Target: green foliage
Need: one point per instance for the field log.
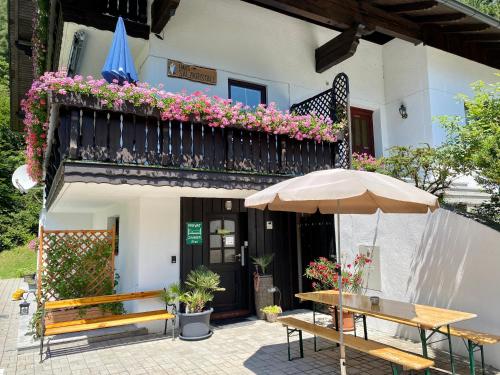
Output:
(490, 7)
(18, 213)
(17, 262)
(72, 273)
(430, 169)
(474, 142)
(198, 291)
(263, 262)
(274, 309)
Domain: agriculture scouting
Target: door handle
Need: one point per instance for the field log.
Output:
(242, 256)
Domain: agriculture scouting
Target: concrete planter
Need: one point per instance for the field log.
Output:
(195, 326)
(263, 298)
(272, 317)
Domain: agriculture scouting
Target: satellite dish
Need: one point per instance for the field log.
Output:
(22, 180)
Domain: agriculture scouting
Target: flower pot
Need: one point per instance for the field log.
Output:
(263, 297)
(347, 319)
(195, 326)
(272, 317)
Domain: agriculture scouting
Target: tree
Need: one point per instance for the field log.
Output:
(490, 7)
(474, 141)
(18, 213)
(430, 169)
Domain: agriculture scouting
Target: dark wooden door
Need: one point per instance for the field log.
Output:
(225, 258)
(362, 131)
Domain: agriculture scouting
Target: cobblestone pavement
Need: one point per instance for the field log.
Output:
(250, 347)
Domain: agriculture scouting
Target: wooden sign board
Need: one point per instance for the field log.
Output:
(194, 233)
(194, 73)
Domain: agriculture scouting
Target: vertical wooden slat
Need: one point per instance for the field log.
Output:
(122, 7)
(175, 135)
(165, 142)
(208, 147)
(128, 135)
(87, 135)
(290, 165)
(273, 154)
(140, 140)
(320, 154)
(113, 7)
(143, 11)
(248, 161)
(74, 134)
(198, 134)
(101, 136)
(114, 136)
(238, 150)
(313, 161)
(187, 145)
(219, 149)
(197, 215)
(63, 131)
(305, 156)
(152, 141)
(133, 11)
(231, 148)
(256, 149)
(282, 154)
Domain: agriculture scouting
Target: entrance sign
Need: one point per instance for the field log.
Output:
(194, 232)
(195, 73)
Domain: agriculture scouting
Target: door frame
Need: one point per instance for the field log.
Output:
(355, 111)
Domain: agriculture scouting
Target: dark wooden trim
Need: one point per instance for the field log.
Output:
(93, 17)
(465, 27)
(161, 12)
(249, 85)
(339, 48)
(409, 7)
(344, 13)
(105, 173)
(437, 18)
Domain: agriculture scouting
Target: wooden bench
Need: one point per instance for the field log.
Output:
(397, 358)
(80, 325)
(473, 340)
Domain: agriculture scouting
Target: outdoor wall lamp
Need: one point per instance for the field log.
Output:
(402, 111)
(24, 308)
(228, 205)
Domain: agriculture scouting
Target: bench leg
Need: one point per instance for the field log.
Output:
(395, 369)
(365, 329)
(482, 359)
(423, 339)
(165, 328)
(472, 364)
(289, 332)
(451, 350)
(173, 329)
(41, 349)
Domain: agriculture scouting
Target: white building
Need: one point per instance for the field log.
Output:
(264, 51)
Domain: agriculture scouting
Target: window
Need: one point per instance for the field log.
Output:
(247, 93)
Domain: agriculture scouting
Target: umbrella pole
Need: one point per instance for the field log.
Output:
(343, 370)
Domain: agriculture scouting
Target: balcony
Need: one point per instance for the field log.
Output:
(89, 143)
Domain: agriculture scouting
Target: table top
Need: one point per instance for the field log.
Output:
(400, 312)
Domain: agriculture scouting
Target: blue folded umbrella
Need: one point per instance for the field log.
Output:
(119, 64)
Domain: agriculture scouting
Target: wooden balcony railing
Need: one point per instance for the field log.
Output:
(89, 134)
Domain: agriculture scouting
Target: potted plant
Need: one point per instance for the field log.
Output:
(196, 293)
(325, 274)
(262, 284)
(272, 313)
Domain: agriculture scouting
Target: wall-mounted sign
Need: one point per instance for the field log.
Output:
(195, 73)
(229, 241)
(269, 224)
(194, 233)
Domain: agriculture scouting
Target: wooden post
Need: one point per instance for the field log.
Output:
(113, 244)
(40, 260)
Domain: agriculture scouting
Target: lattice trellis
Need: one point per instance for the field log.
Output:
(333, 103)
(89, 254)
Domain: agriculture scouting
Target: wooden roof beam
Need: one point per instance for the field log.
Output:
(465, 27)
(409, 7)
(438, 18)
(161, 12)
(339, 48)
(343, 14)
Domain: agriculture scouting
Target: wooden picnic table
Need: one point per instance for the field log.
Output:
(423, 317)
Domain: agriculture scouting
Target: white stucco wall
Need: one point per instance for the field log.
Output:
(66, 221)
(440, 259)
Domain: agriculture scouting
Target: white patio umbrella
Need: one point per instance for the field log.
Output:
(341, 191)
